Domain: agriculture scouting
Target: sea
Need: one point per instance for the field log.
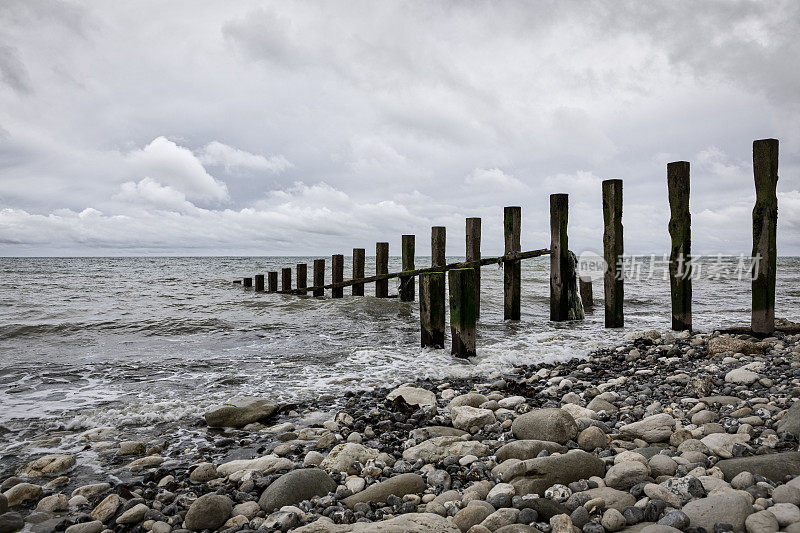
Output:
(134, 342)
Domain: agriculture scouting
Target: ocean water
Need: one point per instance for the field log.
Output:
(132, 342)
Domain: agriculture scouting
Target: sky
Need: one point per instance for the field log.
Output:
(309, 128)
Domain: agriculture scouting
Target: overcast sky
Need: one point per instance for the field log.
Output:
(282, 128)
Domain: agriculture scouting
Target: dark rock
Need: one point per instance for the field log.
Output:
(295, 486)
(772, 466)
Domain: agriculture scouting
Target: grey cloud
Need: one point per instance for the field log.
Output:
(14, 73)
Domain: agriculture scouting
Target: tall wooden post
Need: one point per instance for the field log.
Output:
(462, 311)
(337, 274)
(765, 223)
(559, 257)
(272, 281)
(358, 270)
(680, 230)
(319, 276)
(512, 273)
(586, 293)
(407, 288)
(436, 300)
(247, 282)
(438, 244)
(259, 282)
(302, 276)
(431, 309)
(286, 279)
(612, 252)
(382, 267)
(474, 254)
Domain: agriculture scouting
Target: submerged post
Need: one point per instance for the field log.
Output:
(286, 279)
(247, 282)
(319, 277)
(302, 276)
(586, 293)
(407, 282)
(382, 267)
(259, 282)
(612, 252)
(512, 273)
(337, 274)
(358, 270)
(272, 281)
(559, 258)
(462, 311)
(680, 228)
(431, 309)
(765, 222)
(474, 254)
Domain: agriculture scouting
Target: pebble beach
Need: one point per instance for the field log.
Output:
(661, 433)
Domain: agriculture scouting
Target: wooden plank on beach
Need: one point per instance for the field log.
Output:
(302, 277)
(407, 288)
(319, 277)
(431, 309)
(473, 253)
(512, 270)
(272, 281)
(461, 282)
(560, 271)
(382, 267)
(337, 274)
(359, 256)
(680, 228)
(259, 283)
(612, 253)
(286, 279)
(765, 223)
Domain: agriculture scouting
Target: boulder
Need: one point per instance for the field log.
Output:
(550, 424)
(265, 465)
(208, 512)
(294, 487)
(655, 428)
(527, 449)
(95, 526)
(240, 412)
(437, 448)
(762, 522)
(774, 466)
(342, 455)
(626, 474)
(398, 485)
(731, 345)
(615, 499)
(106, 508)
(10, 522)
(722, 444)
(48, 465)
(719, 508)
(413, 396)
(466, 417)
(537, 475)
(471, 515)
(473, 399)
(790, 423)
(22, 492)
(407, 523)
(741, 376)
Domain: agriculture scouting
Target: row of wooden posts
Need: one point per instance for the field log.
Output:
(567, 301)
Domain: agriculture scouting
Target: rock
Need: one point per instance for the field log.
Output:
(527, 449)
(612, 497)
(719, 345)
(437, 448)
(790, 423)
(661, 465)
(722, 444)
(22, 492)
(53, 503)
(203, 473)
(785, 494)
(48, 465)
(10, 522)
(86, 527)
(466, 417)
(591, 438)
(675, 519)
(313, 458)
(551, 424)
(561, 524)
(413, 396)
(598, 404)
(295, 486)
(473, 399)
(144, 462)
(342, 455)
(626, 474)
(537, 475)
(240, 412)
(613, 520)
(208, 512)
(741, 376)
(719, 508)
(772, 466)
(655, 428)
(471, 515)
(106, 508)
(266, 465)
(407, 523)
(248, 509)
(399, 486)
(785, 513)
(761, 522)
(89, 491)
(135, 514)
(500, 518)
(132, 447)
(3, 503)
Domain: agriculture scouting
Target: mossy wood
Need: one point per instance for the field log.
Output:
(407, 288)
(473, 250)
(612, 253)
(680, 228)
(765, 222)
(463, 314)
(431, 309)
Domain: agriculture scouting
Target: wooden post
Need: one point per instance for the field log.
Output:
(680, 230)
(559, 257)
(302, 276)
(407, 282)
(358, 270)
(431, 309)
(248, 282)
(474, 254)
(272, 281)
(462, 311)
(586, 293)
(612, 253)
(765, 223)
(512, 221)
(337, 274)
(319, 276)
(259, 282)
(382, 267)
(438, 242)
(286, 279)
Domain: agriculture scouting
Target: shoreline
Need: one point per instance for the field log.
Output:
(652, 419)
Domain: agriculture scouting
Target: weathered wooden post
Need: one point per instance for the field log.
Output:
(612, 253)
(358, 270)
(337, 274)
(272, 281)
(407, 288)
(765, 223)
(559, 257)
(247, 282)
(586, 293)
(462, 311)
(286, 279)
(438, 245)
(512, 273)
(319, 277)
(431, 309)
(474, 254)
(680, 228)
(302, 276)
(382, 267)
(259, 282)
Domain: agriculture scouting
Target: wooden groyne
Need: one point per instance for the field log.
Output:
(569, 295)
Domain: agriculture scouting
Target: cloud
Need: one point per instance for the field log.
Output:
(13, 71)
(490, 178)
(217, 153)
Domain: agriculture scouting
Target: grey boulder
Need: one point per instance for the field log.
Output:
(294, 487)
(240, 411)
(551, 424)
